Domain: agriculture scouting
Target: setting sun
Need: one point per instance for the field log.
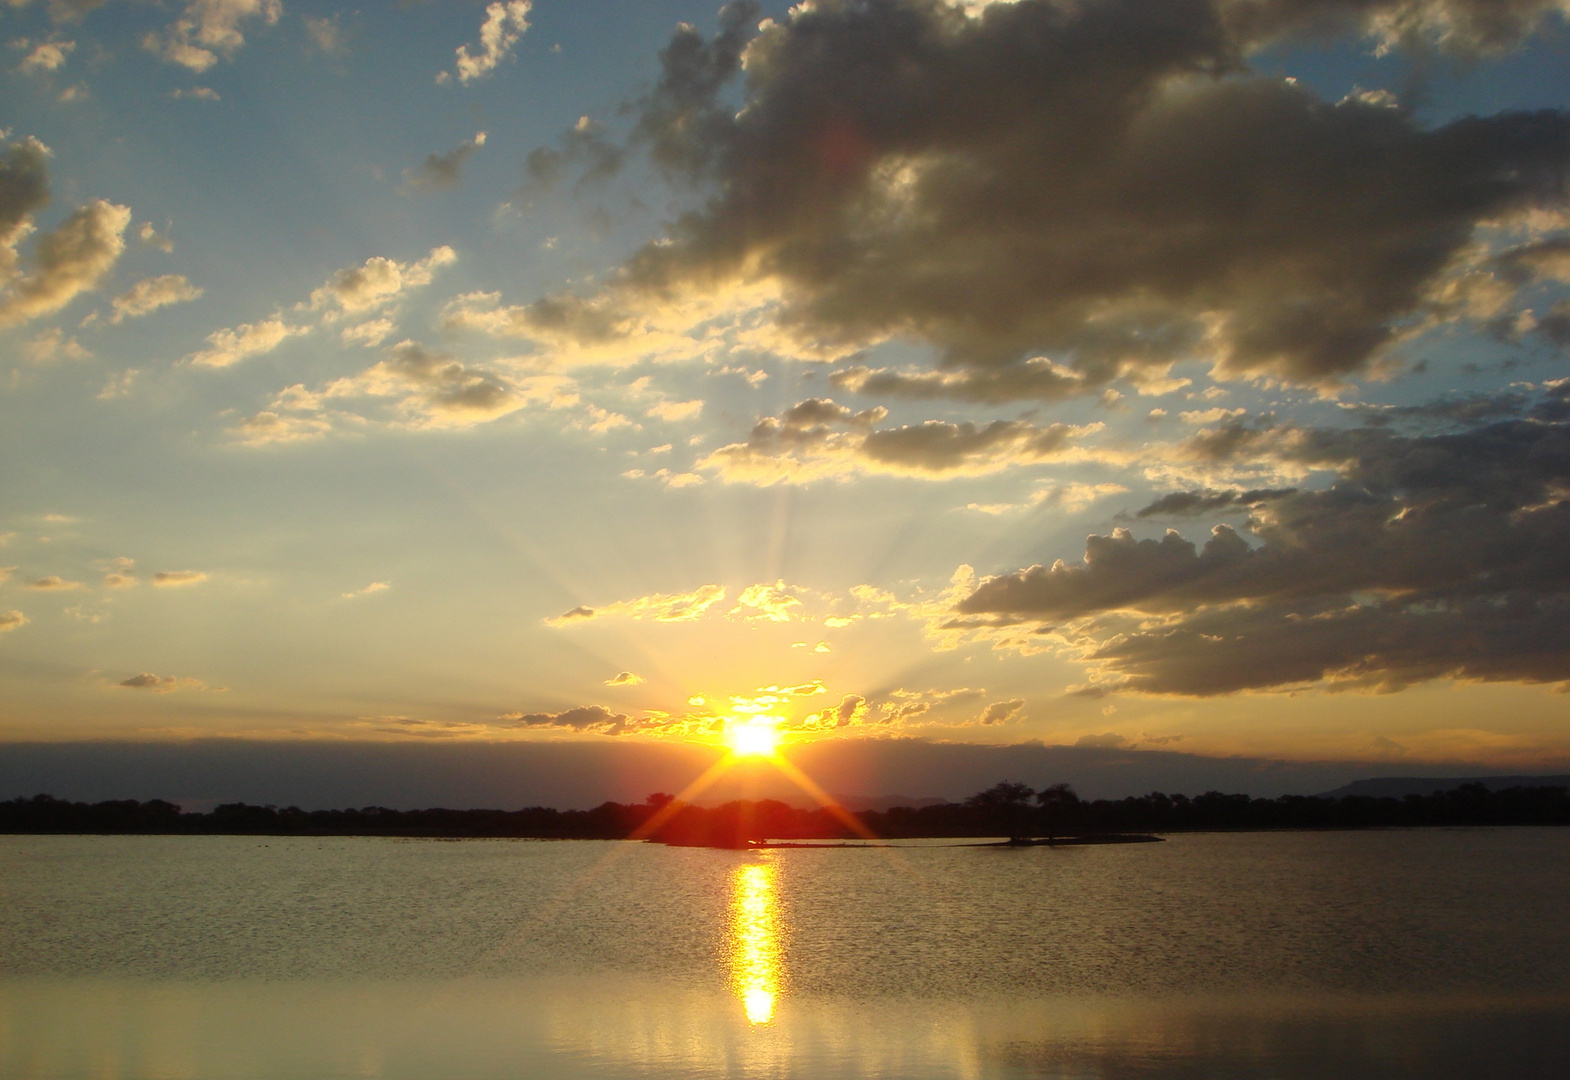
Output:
(756, 737)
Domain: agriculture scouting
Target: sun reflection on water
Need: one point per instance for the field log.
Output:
(755, 951)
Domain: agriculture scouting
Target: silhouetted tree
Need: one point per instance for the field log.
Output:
(1006, 803)
(1058, 804)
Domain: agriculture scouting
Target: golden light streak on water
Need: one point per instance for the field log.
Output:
(755, 950)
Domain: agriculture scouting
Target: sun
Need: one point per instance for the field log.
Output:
(756, 737)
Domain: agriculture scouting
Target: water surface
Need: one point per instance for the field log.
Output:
(1421, 953)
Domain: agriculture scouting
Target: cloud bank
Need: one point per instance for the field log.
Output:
(1054, 195)
(1429, 556)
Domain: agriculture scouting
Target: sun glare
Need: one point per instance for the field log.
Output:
(755, 951)
(755, 737)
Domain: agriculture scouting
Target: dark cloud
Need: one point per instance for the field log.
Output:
(937, 446)
(1103, 182)
(1555, 326)
(161, 684)
(433, 382)
(1464, 409)
(1034, 379)
(440, 171)
(1429, 556)
(1197, 503)
(585, 149)
(24, 188)
(821, 438)
(585, 718)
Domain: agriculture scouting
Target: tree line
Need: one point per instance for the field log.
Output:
(1005, 809)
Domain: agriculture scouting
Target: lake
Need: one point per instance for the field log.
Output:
(1405, 953)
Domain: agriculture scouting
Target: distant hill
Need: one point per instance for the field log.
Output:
(1398, 787)
(858, 804)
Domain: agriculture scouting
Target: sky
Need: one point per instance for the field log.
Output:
(1129, 375)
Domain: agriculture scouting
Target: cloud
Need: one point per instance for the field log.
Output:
(43, 56)
(66, 11)
(326, 34)
(171, 579)
(1197, 503)
(820, 439)
(196, 93)
(904, 708)
(148, 234)
(118, 573)
(436, 390)
(53, 344)
(440, 171)
(1075, 182)
(1456, 26)
(505, 23)
(11, 620)
(161, 684)
(379, 281)
(228, 347)
(675, 411)
(24, 188)
(150, 294)
(209, 29)
(767, 603)
(1001, 712)
(370, 590)
(661, 607)
(850, 712)
(1109, 741)
(625, 678)
(270, 427)
(53, 583)
(586, 718)
(370, 333)
(1034, 379)
(1429, 556)
(66, 262)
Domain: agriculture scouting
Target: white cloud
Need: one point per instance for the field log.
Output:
(208, 29)
(148, 234)
(53, 344)
(171, 579)
(675, 411)
(11, 620)
(150, 294)
(625, 678)
(226, 347)
(67, 262)
(272, 427)
(369, 334)
(43, 56)
(378, 281)
(53, 583)
(661, 607)
(504, 24)
(370, 590)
